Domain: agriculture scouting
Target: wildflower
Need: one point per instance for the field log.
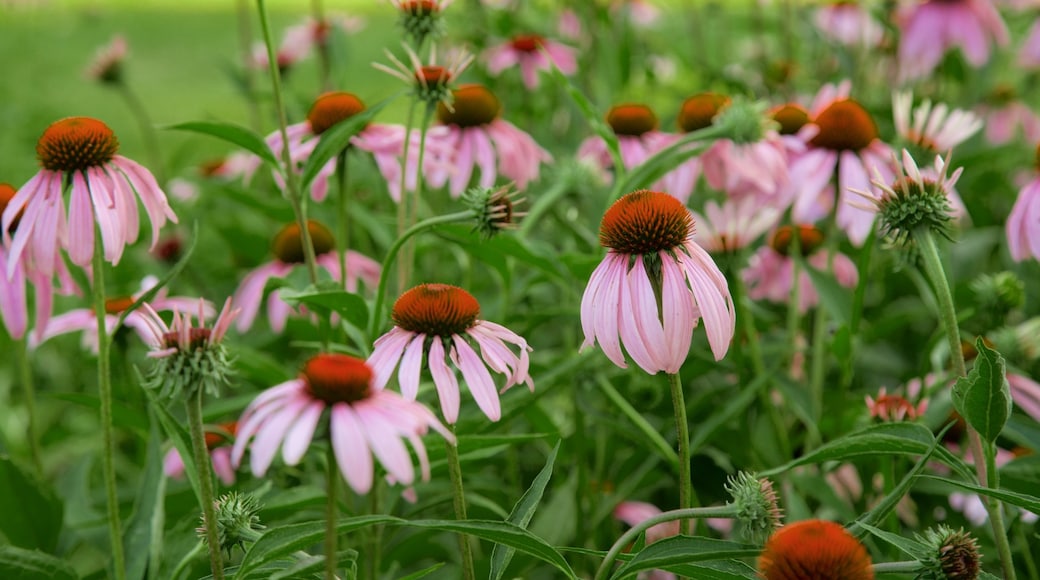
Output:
(238, 521)
(931, 28)
(770, 271)
(955, 554)
(894, 407)
(477, 136)
(1029, 54)
(532, 53)
(288, 253)
(218, 442)
(421, 19)
(80, 151)
(363, 420)
(649, 236)
(1023, 223)
(1005, 113)
(847, 22)
(83, 319)
(733, 225)
(844, 147)
(301, 38)
(494, 210)
(815, 549)
(758, 508)
(640, 12)
(937, 129)
(438, 322)
(432, 83)
(107, 66)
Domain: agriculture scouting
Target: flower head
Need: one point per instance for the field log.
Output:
(651, 253)
(421, 19)
(700, 110)
(219, 439)
(733, 225)
(189, 357)
(438, 322)
(532, 54)
(955, 554)
(107, 66)
(363, 420)
(931, 28)
(104, 191)
(432, 83)
(238, 520)
(849, 23)
(1023, 223)
(758, 508)
(894, 407)
(815, 549)
(937, 129)
(494, 210)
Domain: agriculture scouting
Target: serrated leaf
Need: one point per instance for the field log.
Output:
(21, 564)
(336, 139)
(983, 397)
(234, 134)
(329, 297)
(684, 550)
(142, 539)
(32, 513)
(522, 513)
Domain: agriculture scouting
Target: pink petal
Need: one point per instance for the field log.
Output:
(477, 378)
(445, 382)
(350, 447)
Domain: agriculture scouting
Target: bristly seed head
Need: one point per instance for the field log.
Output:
(337, 378)
(791, 118)
(76, 144)
(699, 111)
(758, 508)
(845, 126)
(331, 108)
(810, 238)
(527, 42)
(494, 209)
(631, 119)
(645, 222)
(955, 554)
(436, 310)
(288, 243)
(198, 338)
(474, 105)
(421, 19)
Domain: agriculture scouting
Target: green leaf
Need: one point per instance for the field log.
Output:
(329, 296)
(312, 565)
(32, 513)
(836, 299)
(661, 162)
(336, 139)
(888, 503)
(684, 550)
(1028, 502)
(20, 564)
(652, 436)
(142, 539)
(181, 441)
(721, 570)
(983, 397)
(909, 546)
(424, 572)
(234, 134)
(522, 513)
(720, 417)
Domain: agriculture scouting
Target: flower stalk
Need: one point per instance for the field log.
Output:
(682, 433)
(331, 513)
(459, 502)
(200, 454)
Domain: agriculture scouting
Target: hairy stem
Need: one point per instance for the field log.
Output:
(206, 495)
(459, 501)
(682, 434)
(331, 514)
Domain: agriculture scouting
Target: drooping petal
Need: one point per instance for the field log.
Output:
(299, 436)
(713, 298)
(477, 378)
(351, 448)
(641, 331)
(679, 313)
(445, 382)
(385, 442)
(386, 353)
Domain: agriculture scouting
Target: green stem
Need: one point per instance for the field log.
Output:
(1027, 555)
(682, 435)
(391, 255)
(984, 464)
(897, 567)
(670, 516)
(459, 501)
(794, 311)
(299, 204)
(186, 560)
(640, 423)
(818, 366)
(402, 202)
(342, 175)
(29, 393)
(331, 514)
(408, 261)
(245, 48)
(206, 495)
(148, 133)
(324, 62)
(115, 534)
(863, 267)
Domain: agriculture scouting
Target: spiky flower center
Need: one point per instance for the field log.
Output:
(221, 435)
(433, 76)
(791, 118)
(436, 310)
(337, 378)
(288, 243)
(7, 193)
(815, 549)
(645, 222)
(809, 239)
(527, 42)
(76, 144)
(698, 111)
(915, 204)
(331, 108)
(197, 338)
(474, 105)
(845, 126)
(631, 119)
(118, 304)
(959, 556)
(420, 7)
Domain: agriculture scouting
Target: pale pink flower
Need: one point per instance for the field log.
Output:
(848, 23)
(755, 170)
(931, 28)
(620, 307)
(770, 271)
(14, 311)
(1005, 115)
(569, 25)
(634, 513)
(363, 420)
(642, 13)
(733, 225)
(477, 136)
(218, 441)
(1023, 224)
(104, 189)
(288, 251)
(181, 335)
(301, 38)
(83, 319)
(532, 53)
(937, 128)
(437, 322)
(894, 407)
(1029, 54)
(107, 66)
(844, 150)
(1025, 392)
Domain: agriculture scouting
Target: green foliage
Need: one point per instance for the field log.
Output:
(983, 398)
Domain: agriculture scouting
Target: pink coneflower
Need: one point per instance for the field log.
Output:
(104, 187)
(770, 271)
(431, 82)
(301, 38)
(938, 129)
(619, 306)
(1029, 54)
(1005, 113)
(363, 420)
(438, 322)
(642, 13)
(845, 148)
(1023, 224)
(733, 225)
(83, 319)
(638, 139)
(894, 407)
(931, 28)
(107, 66)
(847, 22)
(420, 19)
(218, 440)
(478, 137)
(288, 253)
(532, 53)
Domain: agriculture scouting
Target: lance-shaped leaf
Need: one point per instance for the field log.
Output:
(983, 397)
